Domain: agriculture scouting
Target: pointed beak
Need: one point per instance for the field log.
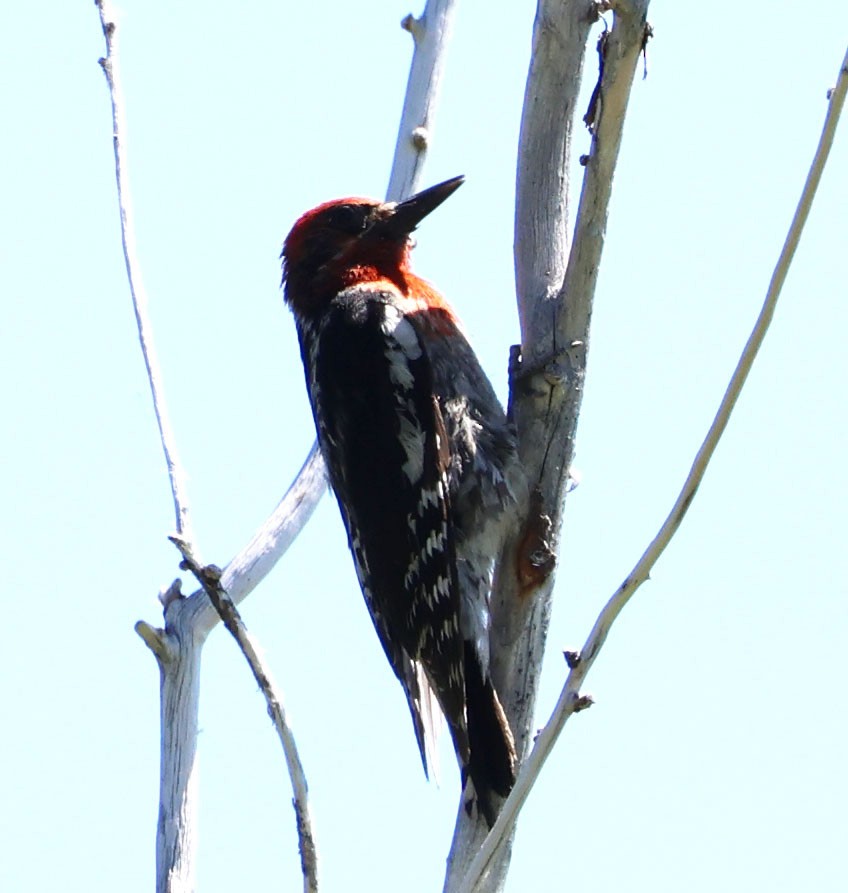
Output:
(406, 215)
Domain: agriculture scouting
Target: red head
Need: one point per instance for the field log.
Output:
(351, 241)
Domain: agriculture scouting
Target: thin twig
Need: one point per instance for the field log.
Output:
(209, 578)
(569, 700)
(111, 69)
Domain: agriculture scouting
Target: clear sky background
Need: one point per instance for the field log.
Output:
(715, 755)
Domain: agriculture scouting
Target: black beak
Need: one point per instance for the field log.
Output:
(406, 215)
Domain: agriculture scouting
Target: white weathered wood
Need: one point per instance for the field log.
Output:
(555, 283)
(176, 833)
(268, 545)
(541, 244)
(178, 647)
(480, 874)
(555, 309)
(431, 33)
(210, 579)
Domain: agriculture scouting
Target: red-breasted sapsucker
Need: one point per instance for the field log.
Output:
(421, 458)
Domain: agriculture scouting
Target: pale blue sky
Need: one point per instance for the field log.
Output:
(715, 755)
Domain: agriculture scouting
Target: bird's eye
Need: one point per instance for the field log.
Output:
(351, 219)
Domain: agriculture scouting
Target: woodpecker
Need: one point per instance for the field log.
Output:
(421, 459)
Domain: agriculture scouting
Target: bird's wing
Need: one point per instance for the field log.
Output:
(387, 456)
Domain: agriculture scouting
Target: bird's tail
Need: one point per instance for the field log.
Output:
(491, 761)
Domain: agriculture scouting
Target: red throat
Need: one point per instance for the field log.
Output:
(416, 296)
(391, 274)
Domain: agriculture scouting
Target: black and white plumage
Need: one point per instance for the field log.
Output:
(421, 459)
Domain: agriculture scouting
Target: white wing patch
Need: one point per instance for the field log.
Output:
(402, 347)
(412, 440)
(397, 326)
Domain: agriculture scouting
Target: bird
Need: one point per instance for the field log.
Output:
(423, 463)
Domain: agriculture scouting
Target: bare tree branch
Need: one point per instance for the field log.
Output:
(188, 621)
(431, 34)
(111, 68)
(570, 701)
(209, 578)
(555, 286)
(549, 383)
(177, 649)
(268, 545)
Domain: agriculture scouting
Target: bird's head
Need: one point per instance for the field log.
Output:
(351, 241)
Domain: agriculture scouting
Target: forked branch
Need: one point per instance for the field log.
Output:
(570, 700)
(555, 285)
(209, 578)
